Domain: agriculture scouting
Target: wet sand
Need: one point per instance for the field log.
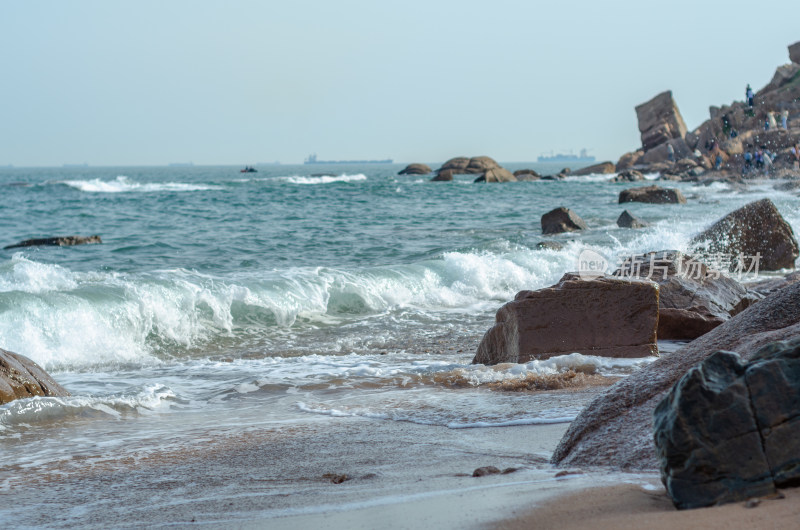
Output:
(631, 506)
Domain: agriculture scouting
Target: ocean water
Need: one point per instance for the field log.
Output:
(222, 303)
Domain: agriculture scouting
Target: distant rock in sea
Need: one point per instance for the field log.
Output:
(64, 241)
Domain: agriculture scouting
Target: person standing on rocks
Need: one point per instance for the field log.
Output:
(748, 93)
(796, 156)
(670, 153)
(785, 119)
(773, 124)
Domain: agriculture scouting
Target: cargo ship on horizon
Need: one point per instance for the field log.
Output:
(583, 157)
(312, 159)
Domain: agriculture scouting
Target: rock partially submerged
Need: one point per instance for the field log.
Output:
(416, 169)
(693, 299)
(63, 241)
(629, 175)
(462, 165)
(498, 174)
(628, 220)
(728, 430)
(526, 174)
(602, 168)
(616, 428)
(603, 316)
(562, 220)
(653, 195)
(755, 233)
(22, 378)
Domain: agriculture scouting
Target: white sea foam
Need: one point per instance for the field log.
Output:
(322, 179)
(123, 184)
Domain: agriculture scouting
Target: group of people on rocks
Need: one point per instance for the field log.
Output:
(762, 159)
(770, 118)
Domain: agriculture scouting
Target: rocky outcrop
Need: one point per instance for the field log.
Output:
(604, 316)
(596, 169)
(660, 121)
(526, 174)
(562, 220)
(660, 153)
(22, 378)
(469, 166)
(693, 299)
(629, 175)
(653, 195)
(728, 430)
(416, 169)
(754, 233)
(616, 428)
(627, 220)
(64, 241)
(497, 174)
(794, 52)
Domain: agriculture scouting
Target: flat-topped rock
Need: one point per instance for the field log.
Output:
(22, 378)
(653, 195)
(602, 168)
(604, 316)
(62, 241)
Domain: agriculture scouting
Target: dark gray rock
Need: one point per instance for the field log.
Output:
(629, 175)
(616, 428)
(627, 220)
(64, 241)
(562, 220)
(728, 430)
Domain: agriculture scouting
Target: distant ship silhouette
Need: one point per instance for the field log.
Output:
(583, 157)
(312, 159)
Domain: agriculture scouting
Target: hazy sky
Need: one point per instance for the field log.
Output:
(240, 82)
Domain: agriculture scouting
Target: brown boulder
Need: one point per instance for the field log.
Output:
(416, 169)
(693, 299)
(22, 378)
(469, 166)
(754, 229)
(659, 121)
(603, 316)
(601, 168)
(616, 428)
(64, 241)
(497, 174)
(443, 176)
(653, 195)
(562, 220)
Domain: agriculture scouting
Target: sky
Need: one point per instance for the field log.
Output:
(243, 82)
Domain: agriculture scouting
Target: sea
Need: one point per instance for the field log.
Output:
(327, 315)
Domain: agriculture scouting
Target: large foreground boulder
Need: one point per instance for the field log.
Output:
(22, 378)
(659, 121)
(729, 430)
(416, 169)
(616, 428)
(562, 220)
(603, 316)
(653, 195)
(755, 234)
(693, 299)
(601, 168)
(62, 241)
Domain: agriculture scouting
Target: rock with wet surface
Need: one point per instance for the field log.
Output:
(653, 195)
(628, 220)
(603, 316)
(562, 220)
(22, 378)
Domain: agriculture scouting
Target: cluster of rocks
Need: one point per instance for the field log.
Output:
(668, 147)
(488, 170)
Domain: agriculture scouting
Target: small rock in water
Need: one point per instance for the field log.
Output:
(487, 470)
(335, 477)
(66, 241)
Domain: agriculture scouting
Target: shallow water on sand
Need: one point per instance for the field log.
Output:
(303, 316)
